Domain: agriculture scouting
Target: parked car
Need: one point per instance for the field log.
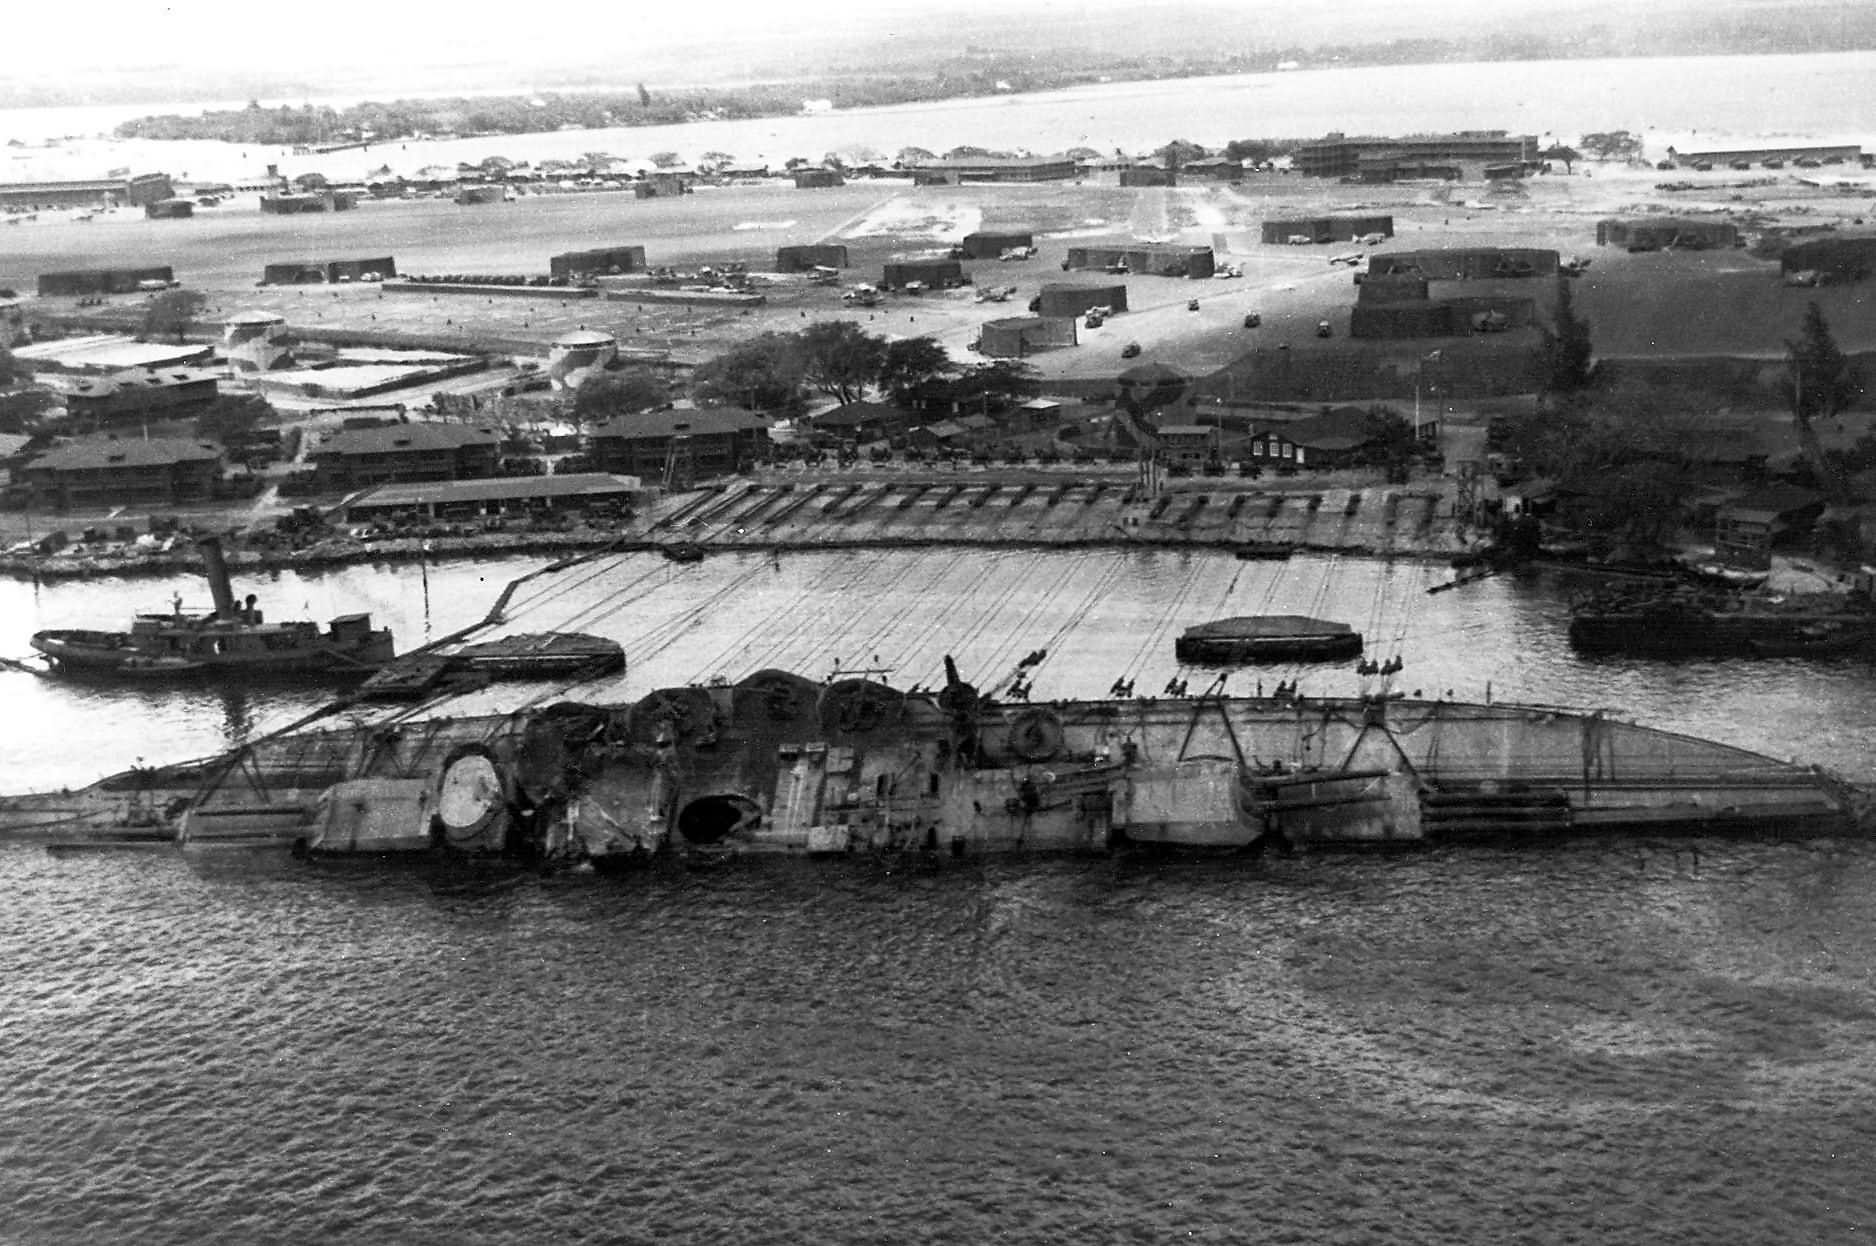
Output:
(1252, 320)
(1324, 329)
(1130, 350)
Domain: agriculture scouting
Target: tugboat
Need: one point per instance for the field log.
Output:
(233, 640)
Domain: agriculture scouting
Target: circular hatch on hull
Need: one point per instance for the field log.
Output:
(470, 795)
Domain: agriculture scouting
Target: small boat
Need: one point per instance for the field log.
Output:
(683, 551)
(232, 640)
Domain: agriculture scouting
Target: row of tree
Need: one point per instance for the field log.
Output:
(776, 372)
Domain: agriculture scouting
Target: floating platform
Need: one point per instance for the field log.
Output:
(544, 655)
(1267, 638)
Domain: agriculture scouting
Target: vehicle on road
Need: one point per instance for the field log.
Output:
(1324, 329)
(1252, 320)
(1130, 350)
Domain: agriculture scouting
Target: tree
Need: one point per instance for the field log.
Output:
(624, 392)
(1568, 348)
(912, 361)
(232, 418)
(666, 159)
(172, 311)
(764, 374)
(1819, 383)
(1568, 155)
(10, 370)
(1612, 145)
(309, 182)
(1180, 152)
(644, 96)
(840, 358)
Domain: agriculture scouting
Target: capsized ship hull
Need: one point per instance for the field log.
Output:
(781, 764)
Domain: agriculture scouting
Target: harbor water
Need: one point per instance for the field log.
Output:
(1600, 1041)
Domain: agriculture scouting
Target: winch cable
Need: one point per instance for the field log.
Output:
(882, 626)
(1018, 636)
(961, 644)
(1168, 619)
(771, 626)
(916, 643)
(798, 619)
(888, 636)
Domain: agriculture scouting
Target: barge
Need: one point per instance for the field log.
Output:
(1688, 622)
(1267, 638)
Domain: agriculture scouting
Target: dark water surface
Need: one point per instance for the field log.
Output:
(1642, 1043)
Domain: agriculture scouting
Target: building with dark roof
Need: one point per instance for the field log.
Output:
(1821, 153)
(1065, 299)
(1657, 233)
(140, 393)
(1839, 257)
(863, 421)
(1156, 259)
(1344, 228)
(599, 261)
(806, 258)
(1335, 438)
(936, 273)
(990, 244)
(357, 457)
(102, 280)
(112, 471)
(1465, 263)
(1014, 337)
(680, 446)
(315, 272)
(818, 179)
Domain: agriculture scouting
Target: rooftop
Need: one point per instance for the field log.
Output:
(100, 452)
(414, 438)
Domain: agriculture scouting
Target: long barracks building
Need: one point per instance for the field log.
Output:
(1371, 159)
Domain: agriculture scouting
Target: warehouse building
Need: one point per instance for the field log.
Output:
(1154, 259)
(1326, 228)
(1801, 153)
(103, 280)
(1062, 299)
(316, 272)
(936, 274)
(807, 258)
(597, 262)
(818, 179)
(1371, 159)
(290, 204)
(990, 244)
(521, 495)
(1148, 175)
(169, 209)
(1656, 233)
(1016, 337)
(1465, 263)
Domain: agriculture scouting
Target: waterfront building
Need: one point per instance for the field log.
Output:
(111, 471)
(686, 443)
(1372, 159)
(356, 457)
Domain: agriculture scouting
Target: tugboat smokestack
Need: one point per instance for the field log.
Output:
(216, 568)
